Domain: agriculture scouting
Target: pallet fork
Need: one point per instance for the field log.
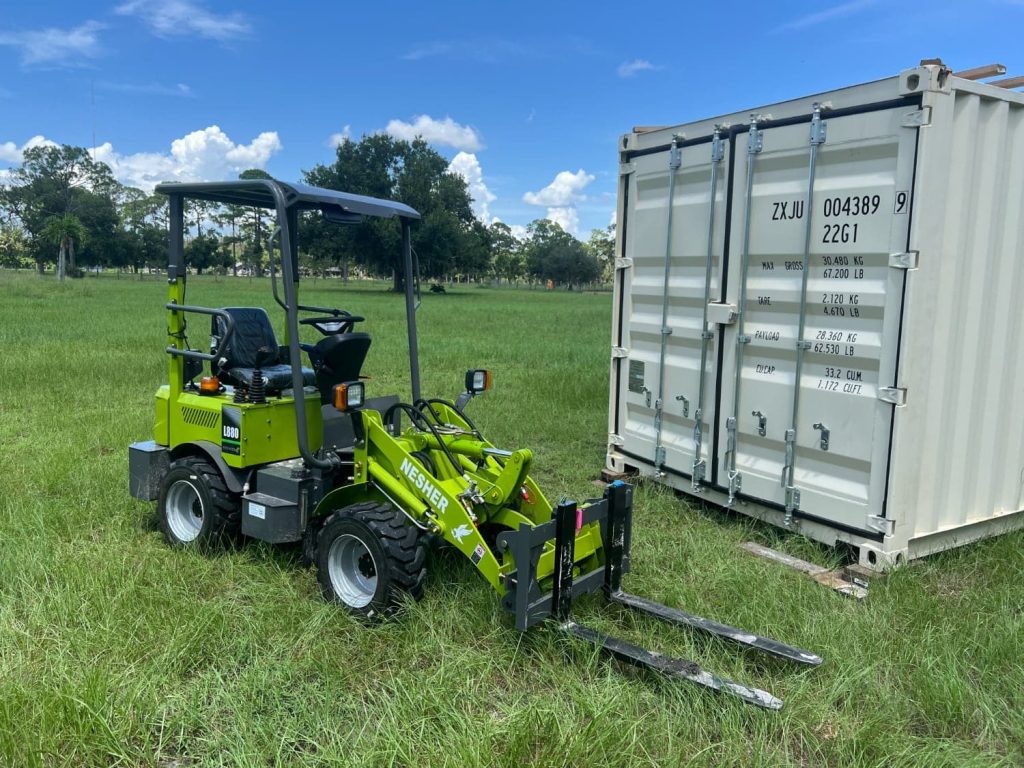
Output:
(531, 605)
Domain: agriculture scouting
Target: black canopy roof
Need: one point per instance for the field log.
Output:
(260, 193)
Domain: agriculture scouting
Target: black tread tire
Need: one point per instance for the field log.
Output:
(398, 549)
(222, 510)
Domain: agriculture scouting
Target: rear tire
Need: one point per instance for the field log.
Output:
(368, 556)
(195, 507)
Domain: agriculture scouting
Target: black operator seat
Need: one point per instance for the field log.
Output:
(238, 358)
(338, 358)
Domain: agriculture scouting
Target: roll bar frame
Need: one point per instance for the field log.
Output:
(286, 200)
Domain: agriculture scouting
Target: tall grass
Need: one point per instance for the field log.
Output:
(116, 650)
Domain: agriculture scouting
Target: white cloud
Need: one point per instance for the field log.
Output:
(56, 47)
(178, 18)
(631, 68)
(486, 50)
(156, 89)
(12, 153)
(561, 196)
(566, 189)
(835, 12)
(519, 231)
(568, 218)
(206, 155)
(427, 50)
(339, 138)
(445, 132)
(467, 166)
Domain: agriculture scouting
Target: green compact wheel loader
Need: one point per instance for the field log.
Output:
(249, 441)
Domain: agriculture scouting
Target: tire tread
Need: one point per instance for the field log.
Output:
(404, 548)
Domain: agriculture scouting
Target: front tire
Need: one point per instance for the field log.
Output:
(195, 507)
(368, 556)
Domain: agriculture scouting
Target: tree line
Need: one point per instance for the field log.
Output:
(63, 208)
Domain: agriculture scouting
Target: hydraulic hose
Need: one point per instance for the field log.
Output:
(419, 421)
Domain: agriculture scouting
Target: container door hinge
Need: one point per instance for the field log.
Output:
(675, 155)
(895, 395)
(919, 118)
(905, 260)
(623, 262)
(884, 525)
(819, 128)
(615, 440)
(755, 139)
(618, 352)
(626, 168)
(717, 145)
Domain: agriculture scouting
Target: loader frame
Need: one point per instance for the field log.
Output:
(294, 468)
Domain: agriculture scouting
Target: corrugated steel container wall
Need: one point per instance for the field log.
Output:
(958, 445)
(954, 467)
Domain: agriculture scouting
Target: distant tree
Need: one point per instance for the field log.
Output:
(446, 240)
(142, 240)
(255, 225)
(198, 212)
(105, 242)
(13, 247)
(507, 258)
(554, 254)
(230, 217)
(53, 182)
(63, 231)
(152, 246)
(203, 252)
(252, 258)
(601, 246)
(473, 258)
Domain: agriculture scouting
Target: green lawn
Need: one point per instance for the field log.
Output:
(114, 649)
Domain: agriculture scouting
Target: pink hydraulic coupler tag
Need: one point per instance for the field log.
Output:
(579, 518)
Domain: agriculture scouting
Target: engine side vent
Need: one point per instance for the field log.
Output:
(200, 417)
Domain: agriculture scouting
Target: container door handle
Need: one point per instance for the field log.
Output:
(686, 405)
(824, 435)
(762, 423)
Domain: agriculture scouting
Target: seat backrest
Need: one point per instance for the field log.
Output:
(252, 331)
(341, 358)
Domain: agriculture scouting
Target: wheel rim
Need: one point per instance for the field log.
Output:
(184, 511)
(353, 571)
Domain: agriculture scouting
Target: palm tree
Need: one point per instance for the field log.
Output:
(63, 231)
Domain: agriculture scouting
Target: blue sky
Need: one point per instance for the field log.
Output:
(527, 99)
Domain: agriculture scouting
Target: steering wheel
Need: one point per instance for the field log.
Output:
(331, 325)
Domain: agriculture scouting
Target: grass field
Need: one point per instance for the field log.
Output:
(116, 650)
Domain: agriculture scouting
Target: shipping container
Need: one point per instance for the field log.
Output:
(817, 313)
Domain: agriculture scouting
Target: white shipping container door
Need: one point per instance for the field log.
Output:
(859, 220)
(688, 285)
(922, 453)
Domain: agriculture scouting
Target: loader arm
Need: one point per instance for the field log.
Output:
(448, 479)
(455, 502)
